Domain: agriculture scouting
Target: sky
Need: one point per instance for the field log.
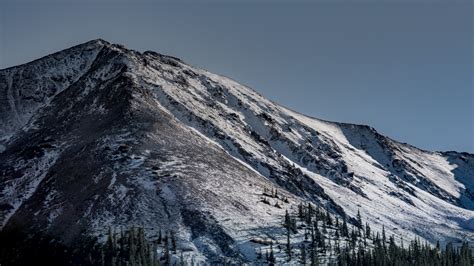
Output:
(402, 67)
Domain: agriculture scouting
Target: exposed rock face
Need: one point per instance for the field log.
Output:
(98, 135)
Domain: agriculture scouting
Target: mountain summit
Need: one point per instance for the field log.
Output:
(99, 136)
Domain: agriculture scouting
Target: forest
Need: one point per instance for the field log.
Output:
(313, 236)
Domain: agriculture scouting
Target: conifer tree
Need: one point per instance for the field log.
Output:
(367, 230)
(303, 254)
(287, 222)
(300, 211)
(181, 259)
(328, 217)
(384, 239)
(359, 220)
(324, 229)
(173, 241)
(314, 257)
(167, 256)
(288, 244)
(344, 229)
(271, 260)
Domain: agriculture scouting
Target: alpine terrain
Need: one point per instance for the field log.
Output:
(99, 139)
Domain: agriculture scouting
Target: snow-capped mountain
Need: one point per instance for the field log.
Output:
(99, 135)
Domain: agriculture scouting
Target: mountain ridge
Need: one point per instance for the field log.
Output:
(118, 137)
(100, 41)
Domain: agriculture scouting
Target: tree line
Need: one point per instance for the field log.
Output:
(313, 236)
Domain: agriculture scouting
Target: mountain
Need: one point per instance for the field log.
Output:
(98, 136)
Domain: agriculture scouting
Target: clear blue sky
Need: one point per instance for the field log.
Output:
(403, 67)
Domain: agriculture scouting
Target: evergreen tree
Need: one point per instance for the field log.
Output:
(303, 254)
(309, 214)
(360, 225)
(271, 258)
(287, 222)
(181, 260)
(173, 241)
(384, 239)
(344, 229)
(367, 230)
(167, 256)
(129, 247)
(159, 236)
(359, 220)
(300, 211)
(288, 244)
(314, 256)
(328, 217)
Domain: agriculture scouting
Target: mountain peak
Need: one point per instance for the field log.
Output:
(97, 41)
(93, 138)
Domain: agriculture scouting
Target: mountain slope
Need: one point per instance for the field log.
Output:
(98, 135)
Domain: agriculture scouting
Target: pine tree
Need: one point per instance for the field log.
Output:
(337, 247)
(110, 248)
(309, 214)
(287, 222)
(314, 256)
(466, 255)
(259, 253)
(155, 259)
(367, 230)
(181, 259)
(344, 229)
(167, 256)
(384, 239)
(173, 241)
(353, 237)
(300, 211)
(159, 236)
(359, 220)
(325, 231)
(328, 217)
(271, 260)
(359, 223)
(288, 244)
(109, 254)
(303, 254)
(317, 234)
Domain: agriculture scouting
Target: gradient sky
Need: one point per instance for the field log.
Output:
(403, 67)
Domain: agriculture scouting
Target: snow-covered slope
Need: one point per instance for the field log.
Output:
(100, 135)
